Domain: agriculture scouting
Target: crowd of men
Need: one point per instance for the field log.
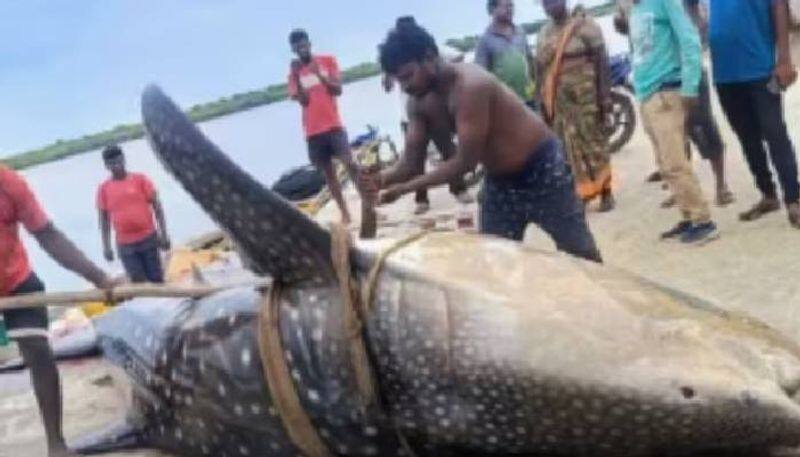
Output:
(531, 120)
(475, 117)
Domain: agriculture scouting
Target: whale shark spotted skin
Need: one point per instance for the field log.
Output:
(479, 346)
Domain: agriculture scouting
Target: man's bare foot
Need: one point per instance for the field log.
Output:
(607, 202)
(422, 208)
(725, 197)
(794, 214)
(669, 202)
(760, 209)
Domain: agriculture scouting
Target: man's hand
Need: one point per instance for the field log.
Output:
(786, 74)
(163, 242)
(391, 194)
(108, 253)
(314, 68)
(108, 283)
(296, 67)
(621, 24)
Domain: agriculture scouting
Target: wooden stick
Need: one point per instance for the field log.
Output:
(122, 293)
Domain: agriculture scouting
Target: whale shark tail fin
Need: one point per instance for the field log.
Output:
(123, 436)
(272, 234)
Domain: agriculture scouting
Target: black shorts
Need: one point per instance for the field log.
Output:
(23, 323)
(323, 147)
(701, 127)
(542, 193)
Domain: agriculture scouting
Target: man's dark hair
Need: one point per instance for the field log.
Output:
(297, 36)
(405, 21)
(491, 5)
(407, 43)
(111, 152)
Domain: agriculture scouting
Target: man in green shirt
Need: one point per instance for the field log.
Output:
(503, 49)
(667, 69)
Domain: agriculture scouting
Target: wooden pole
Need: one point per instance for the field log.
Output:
(121, 293)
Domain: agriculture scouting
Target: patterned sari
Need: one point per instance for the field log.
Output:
(571, 100)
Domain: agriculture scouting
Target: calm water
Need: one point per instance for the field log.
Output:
(265, 141)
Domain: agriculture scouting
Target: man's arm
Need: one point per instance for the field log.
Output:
(63, 251)
(333, 81)
(472, 126)
(784, 69)
(693, 8)
(161, 221)
(295, 87)
(413, 158)
(105, 232)
(691, 50)
(483, 55)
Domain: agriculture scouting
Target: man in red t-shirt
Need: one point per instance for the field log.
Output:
(315, 82)
(28, 327)
(128, 201)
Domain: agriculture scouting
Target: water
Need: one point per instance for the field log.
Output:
(265, 141)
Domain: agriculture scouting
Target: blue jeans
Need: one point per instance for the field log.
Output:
(542, 193)
(142, 261)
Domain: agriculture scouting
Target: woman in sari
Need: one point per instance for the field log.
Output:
(574, 90)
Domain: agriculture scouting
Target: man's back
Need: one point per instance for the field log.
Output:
(479, 100)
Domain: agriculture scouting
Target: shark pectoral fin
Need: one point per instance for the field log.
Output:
(276, 237)
(118, 437)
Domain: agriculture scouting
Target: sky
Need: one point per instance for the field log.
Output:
(73, 67)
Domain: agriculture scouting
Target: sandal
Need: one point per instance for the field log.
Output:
(765, 206)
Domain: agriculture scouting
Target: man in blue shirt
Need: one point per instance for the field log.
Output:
(667, 70)
(752, 64)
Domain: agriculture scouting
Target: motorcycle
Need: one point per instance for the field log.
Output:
(622, 124)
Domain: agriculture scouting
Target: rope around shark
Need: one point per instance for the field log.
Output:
(358, 303)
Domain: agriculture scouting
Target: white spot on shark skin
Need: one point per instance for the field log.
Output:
(149, 342)
(205, 450)
(232, 320)
(272, 412)
(246, 357)
(243, 450)
(323, 432)
(221, 390)
(274, 445)
(294, 314)
(255, 409)
(370, 450)
(238, 410)
(316, 334)
(296, 375)
(220, 312)
(313, 395)
(313, 298)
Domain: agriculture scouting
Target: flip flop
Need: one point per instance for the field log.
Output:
(759, 210)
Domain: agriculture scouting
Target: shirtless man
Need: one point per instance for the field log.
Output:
(527, 178)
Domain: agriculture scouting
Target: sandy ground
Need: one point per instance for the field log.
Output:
(753, 268)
